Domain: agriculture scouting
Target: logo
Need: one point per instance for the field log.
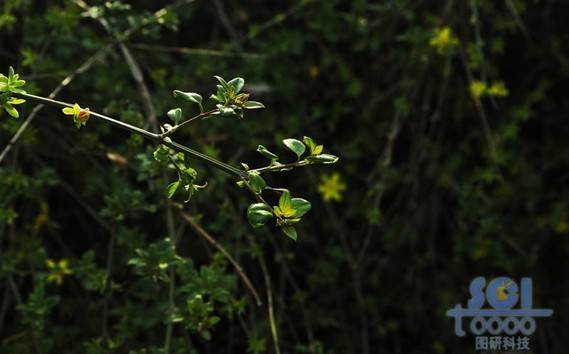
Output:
(499, 326)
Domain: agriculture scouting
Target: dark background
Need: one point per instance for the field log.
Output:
(432, 199)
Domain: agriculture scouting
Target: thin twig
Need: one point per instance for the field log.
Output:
(133, 67)
(270, 309)
(194, 51)
(238, 269)
(85, 66)
(108, 284)
(82, 68)
(149, 135)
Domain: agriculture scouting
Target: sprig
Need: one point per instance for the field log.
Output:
(289, 210)
(228, 100)
(8, 85)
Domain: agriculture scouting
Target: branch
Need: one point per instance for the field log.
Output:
(202, 115)
(158, 138)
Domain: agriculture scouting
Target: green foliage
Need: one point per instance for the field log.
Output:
(9, 85)
(447, 116)
(296, 146)
(258, 214)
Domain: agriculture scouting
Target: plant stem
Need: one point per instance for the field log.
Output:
(202, 115)
(165, 140)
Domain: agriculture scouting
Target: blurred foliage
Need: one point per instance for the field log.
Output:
(449, 118)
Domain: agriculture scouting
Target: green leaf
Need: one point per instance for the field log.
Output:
(172, 188)
(175, 115)
(309, 142)
(236, 84)
(15, 101)
(258, 214)
(285, 201)
(290, 231)
(265, 152)
(223, 83)
(253, 105)
(313, 147)
(295, 145)
(11, 110)
(300, 206)
(190, 173)
(161, 154)
(68, 111)
(317, 150)
(190, 97)
(323, 159)
(225, 111)
(216, 98)
(256, 182)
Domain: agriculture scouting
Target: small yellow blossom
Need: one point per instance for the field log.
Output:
(477, 89)
(331, 187)
(57, 270)
(443, 39)
(314, 71)
(80, 115)
(562, 227)
(498, 89)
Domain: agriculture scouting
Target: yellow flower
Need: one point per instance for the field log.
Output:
(498, 89)
(80, 115)
(443, 39)
(331, 187)
(313, 72)
(477, 89)
(57, 270)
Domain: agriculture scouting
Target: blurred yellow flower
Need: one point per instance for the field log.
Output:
(331, 187)
(314, 71)
(443, 39)
(498, 89)
(57, 270)
(477, 89)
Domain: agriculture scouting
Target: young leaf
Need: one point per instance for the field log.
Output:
(295, 145)
(223, 83)
(312, 146)
(236, 84)
(290, 231)
(256, 182)
(258, 214)
(317, 150)
(161, 154)
(68, 111)
(190, 97)
(14, 101)
(309, 142)
(175, 115)
(323, 159)
(172, 188)
(285, 208)
(300, 206)
(11, 110)
(265, 152)
(253, 105)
